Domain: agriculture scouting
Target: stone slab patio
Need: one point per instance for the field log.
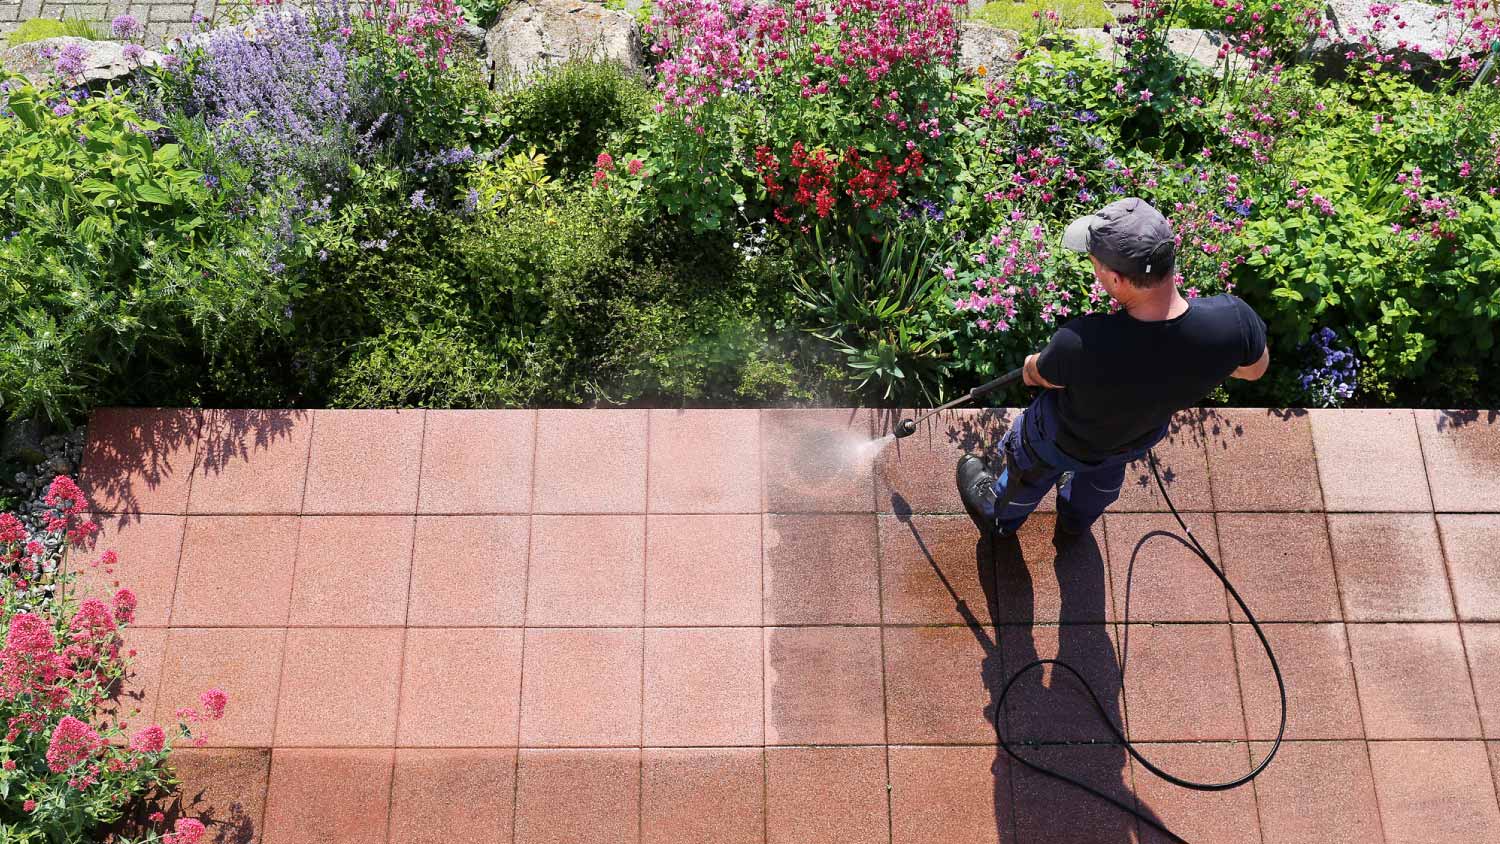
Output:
(736, 626)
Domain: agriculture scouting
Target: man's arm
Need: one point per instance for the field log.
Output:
(1033, 378)
(1251, 372)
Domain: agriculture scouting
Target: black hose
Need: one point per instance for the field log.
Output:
(1197, 548)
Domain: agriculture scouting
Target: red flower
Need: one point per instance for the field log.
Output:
(149, 740)
(188, 831)
(72, 742)
(214, 700)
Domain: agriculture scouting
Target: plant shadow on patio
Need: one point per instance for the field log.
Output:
(1048, 718)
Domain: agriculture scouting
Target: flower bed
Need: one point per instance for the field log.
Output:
(62, 778)
(800, 202)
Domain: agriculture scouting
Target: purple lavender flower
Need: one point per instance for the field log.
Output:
(71, 58)
(62, 110)
(284, 101)
(125, 26)
(133, 52)
(419, 201)
(471, 201)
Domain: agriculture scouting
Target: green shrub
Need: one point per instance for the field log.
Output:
(575, 111)
(886, 309)
(121, 258)
(37, 29)
(1021, 14)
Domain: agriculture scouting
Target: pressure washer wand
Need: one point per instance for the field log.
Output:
(908, 426)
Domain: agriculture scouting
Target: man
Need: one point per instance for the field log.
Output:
(1114, 380)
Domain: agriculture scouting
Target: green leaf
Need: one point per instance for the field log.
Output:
(151, 192)
(1287, 293)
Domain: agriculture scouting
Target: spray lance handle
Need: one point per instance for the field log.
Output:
(908, 426)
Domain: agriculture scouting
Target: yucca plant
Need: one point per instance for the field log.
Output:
(884, 307)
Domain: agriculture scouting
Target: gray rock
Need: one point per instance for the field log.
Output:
(104, 61)
(989, 46)
(532, 35)
(472, 37)
(1422, 40)
(1199, 46)
(23, 442)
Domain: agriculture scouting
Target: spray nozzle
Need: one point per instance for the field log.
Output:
(905, 428)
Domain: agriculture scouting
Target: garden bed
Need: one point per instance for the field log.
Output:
(767, 204)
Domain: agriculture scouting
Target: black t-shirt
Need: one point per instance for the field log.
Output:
(1124, 378)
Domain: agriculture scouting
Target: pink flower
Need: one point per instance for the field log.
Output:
(188, 831)
(1146, 96)
(157, 817)
(150, 740)
(125, 606)
(72, 742)
(28, 806)
(29, 633)
(214, 700)
(634, 166)
(10, 765)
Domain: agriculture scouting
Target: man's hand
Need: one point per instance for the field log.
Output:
(1033, 378)
(1254, 370)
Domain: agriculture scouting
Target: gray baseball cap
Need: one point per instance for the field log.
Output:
(1128, 236)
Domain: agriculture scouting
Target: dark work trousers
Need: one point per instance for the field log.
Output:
(1034, 464)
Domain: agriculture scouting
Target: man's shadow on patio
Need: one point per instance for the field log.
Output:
(1049, 719)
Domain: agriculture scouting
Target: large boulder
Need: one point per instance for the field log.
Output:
(1197, 46)
(982, 45)
(102, 61)
(532, 35)
(1411, 31)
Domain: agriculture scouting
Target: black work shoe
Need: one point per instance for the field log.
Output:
(976, 486)
(1063, 532)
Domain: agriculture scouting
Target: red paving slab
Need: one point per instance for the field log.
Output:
(462, 637)
(1435, 791)
(826, 795)
(1261, 459)
(453, 796)
(339, 687)
(1462, 451)
(817, 461)
(1482, 645)
(477, 461)
(251, 461)
(590, 462)
(820, 569)
(957, 795)
(140, 460)
(321, 795)
(244, 662)
(352, 570)
(939, 681)
(1220, 816)
(1413, 681)
(1390, 567)
(824, 685)
(469, 570)
(699, 459)
(1469, 544)
(1182, 461)
(236, 571)
(1322, 701)
(1158, 578)
(481, 711)
(568, 796)
(364, 461)
(1346, 441)
(1317, 791)
(1281, 564)
(703, 687)
(703, 569)
(148, 549)
(1047, 810)
(586, 570)
(702, 796)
